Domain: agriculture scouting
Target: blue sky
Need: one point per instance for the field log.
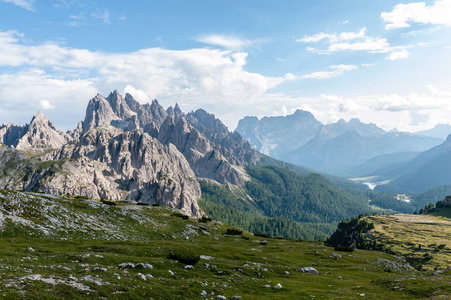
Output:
(385, 62)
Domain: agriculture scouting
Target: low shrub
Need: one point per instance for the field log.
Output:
(262, 235)
(234, 231)
(180, 215)
(108, 202)
(344, 248)
(205, 219)
(186, 258)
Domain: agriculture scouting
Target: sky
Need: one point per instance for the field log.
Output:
(384, 62)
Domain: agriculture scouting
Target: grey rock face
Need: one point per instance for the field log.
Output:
(119, 165)
(203, 155)
(147, 113)
(40, 134)
(98, 113)
(231, 145)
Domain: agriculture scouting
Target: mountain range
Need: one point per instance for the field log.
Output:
(344, 148)
(125, 150)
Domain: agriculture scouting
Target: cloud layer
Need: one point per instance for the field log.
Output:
(354, 41)
(57, 76)
(418, 12)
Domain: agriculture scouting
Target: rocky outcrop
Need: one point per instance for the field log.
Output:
(40, 134)
(147, 114)
(114, 165)
(231, 145)
(204, 156)
(98, 113)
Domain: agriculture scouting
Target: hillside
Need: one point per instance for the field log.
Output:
(279, 202)
(422, 240)
(67, 247)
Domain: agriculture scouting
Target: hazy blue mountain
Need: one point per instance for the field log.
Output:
(334, 148)
(380, 164)
(278, 136)
(428, 169)
(440, 131)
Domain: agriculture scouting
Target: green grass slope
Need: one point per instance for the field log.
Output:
(69, 248)
(422, 240)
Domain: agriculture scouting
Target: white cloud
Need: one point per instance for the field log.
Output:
(368, 44)
(26, 4)
(347, 36)
(332, 38)
(336, 70)
(229, 42)
(280, 59)
(317, 37)
(418, 12)
(356, 41)
(398, 55)
(45, 104)
(213, 79)
(387, 111)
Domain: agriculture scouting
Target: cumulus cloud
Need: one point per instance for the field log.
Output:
(45, 104)
(26, 4)
(354, 41)
(418, 12)
(335, 70)
(208, 78)
(398, 55)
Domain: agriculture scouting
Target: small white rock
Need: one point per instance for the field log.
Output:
(30, 249)
(189, 267)
(278, 286)
(220, 297)
(203, 293)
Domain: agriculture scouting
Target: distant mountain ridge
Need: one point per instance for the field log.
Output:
(439, 131)
(333, 148)
(426, 170)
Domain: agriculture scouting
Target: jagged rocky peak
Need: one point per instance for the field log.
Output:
(207, 123)
(147, 113)
(98, 113)
(39, 134)
(175, 112)
(119, 105)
